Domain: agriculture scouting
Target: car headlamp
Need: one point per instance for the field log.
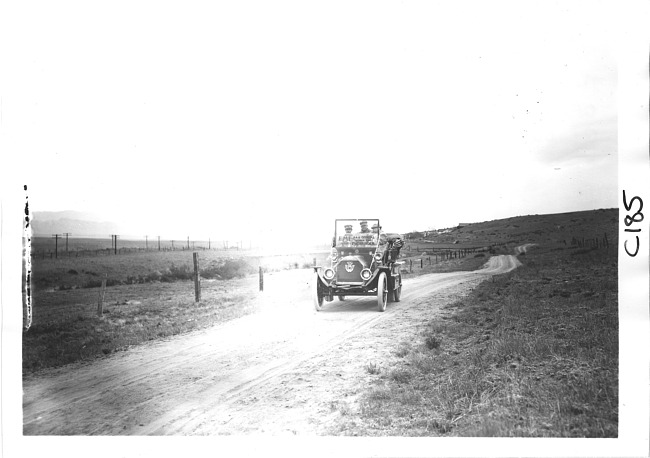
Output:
(334, 254)
(328, 274)
(378, 256)
(366, 274)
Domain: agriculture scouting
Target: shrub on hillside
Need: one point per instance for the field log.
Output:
(154, 276)
(182, 272)
(432, 341)
(230, 268)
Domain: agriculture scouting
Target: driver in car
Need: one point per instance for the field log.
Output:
(346, 239)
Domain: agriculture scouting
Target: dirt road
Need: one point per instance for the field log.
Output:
(281, 371)
(524, 248)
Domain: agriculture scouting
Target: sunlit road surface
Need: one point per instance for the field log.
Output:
(174, 386)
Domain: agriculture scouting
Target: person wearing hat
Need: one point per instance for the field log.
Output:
(346, 239)
(364, 228)
(364, 236)
(388, 242)
(376, 229)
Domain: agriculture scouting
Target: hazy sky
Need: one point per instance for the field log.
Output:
(246, 119)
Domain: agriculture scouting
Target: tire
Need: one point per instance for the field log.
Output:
(397, 292)
(316, 294)
(341, 298)
(382, 292)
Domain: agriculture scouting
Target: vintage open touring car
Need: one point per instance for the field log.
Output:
(363, 262)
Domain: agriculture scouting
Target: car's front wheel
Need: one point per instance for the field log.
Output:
(382, 292)
(316, 294)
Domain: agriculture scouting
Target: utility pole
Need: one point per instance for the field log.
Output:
(56, 244)
(114, 236)
(158, 243)
(146, 242)
(66, 240)
(188, 242)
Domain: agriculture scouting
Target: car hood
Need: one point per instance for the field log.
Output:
(354, 257)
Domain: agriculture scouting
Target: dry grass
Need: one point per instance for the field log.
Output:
(66, 327)
(531, 353)
(148, 297)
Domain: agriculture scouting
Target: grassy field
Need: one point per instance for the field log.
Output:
(153, 266)
(531, 353)
(149, 295)
(66, 327)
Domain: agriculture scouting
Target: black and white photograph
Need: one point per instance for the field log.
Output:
(394, 228)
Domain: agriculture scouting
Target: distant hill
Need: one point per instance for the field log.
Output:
(79, 224)
(556, 227)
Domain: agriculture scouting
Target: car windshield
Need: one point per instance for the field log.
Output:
(355, 232)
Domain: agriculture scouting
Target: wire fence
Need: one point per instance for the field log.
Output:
(78, 253)
(44, 248)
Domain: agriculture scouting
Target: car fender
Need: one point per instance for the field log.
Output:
(376, 273)
(319, 271)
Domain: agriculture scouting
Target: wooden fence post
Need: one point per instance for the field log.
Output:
(100, 301)
(197, 278)
(261, 279)
(421, 263)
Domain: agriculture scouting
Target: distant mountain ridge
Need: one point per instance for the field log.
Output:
(79, 224)
(66, 214)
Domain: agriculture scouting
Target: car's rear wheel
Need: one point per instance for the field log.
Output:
(341, 298)
(316, 294)
(382, 292)
(397, 292)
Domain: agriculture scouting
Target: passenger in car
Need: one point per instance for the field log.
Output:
(388, 242)
(364, 228)
(365, 236)
(376, 230)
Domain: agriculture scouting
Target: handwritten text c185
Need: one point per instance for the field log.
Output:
(631, 220)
